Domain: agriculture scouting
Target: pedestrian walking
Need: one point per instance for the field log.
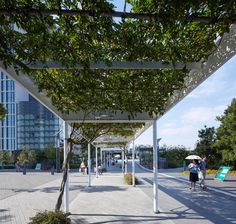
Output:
(193, 174)
(17, 165)
(202, 174)
(99, 169)
(82, 167)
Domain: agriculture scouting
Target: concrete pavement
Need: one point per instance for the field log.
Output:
(112, 201)
(109, 200)
(32, 193)
(181, 205)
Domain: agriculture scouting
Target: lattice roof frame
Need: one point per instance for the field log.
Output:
(225, 51)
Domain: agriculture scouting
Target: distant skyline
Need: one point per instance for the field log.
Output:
(180, 125)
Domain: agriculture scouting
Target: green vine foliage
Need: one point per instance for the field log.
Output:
(91, 131)
(176, 35)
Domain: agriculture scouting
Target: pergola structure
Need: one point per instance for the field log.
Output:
(196, 73)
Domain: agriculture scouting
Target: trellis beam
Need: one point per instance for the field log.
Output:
(117, 65)
(116, 14)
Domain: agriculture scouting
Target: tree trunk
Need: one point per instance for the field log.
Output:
(65, 175)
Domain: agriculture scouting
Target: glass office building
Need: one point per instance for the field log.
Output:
(27, 122)
(36, 125)
(8, 124)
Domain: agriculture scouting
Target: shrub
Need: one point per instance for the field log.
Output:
(128, 179)
(51, 217)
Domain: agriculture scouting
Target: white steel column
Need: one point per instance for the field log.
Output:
(96, 161)
(66, 191)
(89, 165)
(133, 165)
(101, 157)
(155, 169)
(126, 163)
(104, 155)
(122, 160)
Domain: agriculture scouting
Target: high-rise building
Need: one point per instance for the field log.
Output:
(36, 125)
(8, 124)
(27, 122)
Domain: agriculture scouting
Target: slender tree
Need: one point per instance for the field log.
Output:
(89, 133)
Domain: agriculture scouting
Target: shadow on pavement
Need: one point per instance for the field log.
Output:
(229, 180)
(115, 218)
(98, 189)
(45, 189)
(5, 217)
(207, 205)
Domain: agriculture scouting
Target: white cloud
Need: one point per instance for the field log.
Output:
(202, 114)
(210, 87)
(176, 130)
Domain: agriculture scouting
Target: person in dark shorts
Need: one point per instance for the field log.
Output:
(193, 174)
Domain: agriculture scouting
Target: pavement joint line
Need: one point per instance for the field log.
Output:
(210, 188)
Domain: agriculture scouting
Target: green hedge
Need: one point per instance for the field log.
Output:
(51, 217)
(128, 179)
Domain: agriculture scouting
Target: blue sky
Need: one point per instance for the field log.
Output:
(180, 125)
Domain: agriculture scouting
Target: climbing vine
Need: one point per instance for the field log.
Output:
(72, 32)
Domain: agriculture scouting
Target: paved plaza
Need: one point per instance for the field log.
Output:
(109, 200)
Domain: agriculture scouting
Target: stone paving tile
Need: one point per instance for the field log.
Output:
(109, 200)
(12, 183)
(19, 207)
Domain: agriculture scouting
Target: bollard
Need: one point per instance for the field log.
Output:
(52, 170)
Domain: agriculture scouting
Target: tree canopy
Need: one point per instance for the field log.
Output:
(204, 146)
(226, 133)
(27, 156)
(175, 155)
(82, 32)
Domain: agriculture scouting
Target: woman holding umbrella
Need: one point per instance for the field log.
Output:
(194, 169)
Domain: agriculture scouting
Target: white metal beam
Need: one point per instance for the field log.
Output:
(126, 65)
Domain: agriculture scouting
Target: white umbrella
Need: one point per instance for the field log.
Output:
(193, 157)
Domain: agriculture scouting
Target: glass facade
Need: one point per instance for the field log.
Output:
(8, 125)
(36, 125)
(27, 122)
